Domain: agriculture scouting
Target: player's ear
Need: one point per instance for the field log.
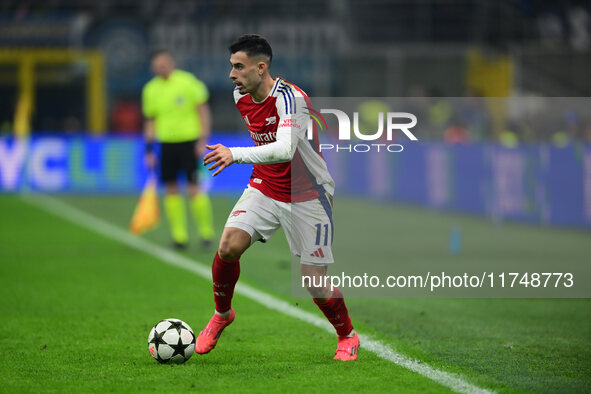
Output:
(261, 68)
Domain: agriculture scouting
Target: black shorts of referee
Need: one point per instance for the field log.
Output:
(178, 157)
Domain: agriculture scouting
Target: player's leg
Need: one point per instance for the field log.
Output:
(251, 219)
(310, 234)
(174, 204)
(332, 304)
(198, 198)
(225, 272)
(226, 267)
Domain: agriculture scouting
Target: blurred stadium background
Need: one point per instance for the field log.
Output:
(76, 69)
(93, 55)
(504, 90)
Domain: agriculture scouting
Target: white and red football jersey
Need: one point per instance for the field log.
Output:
(306, 176)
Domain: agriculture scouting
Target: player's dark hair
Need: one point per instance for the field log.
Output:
(160, 51)
(252, 45)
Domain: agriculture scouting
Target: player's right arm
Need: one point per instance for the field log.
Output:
(291, 127)
(221, 157)
(279, 151)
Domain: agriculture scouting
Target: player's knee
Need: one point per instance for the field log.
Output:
(229, 251)
(233, 243)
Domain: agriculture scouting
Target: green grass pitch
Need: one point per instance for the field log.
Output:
(77, 308)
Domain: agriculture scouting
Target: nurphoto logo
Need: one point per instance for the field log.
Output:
(394, 121)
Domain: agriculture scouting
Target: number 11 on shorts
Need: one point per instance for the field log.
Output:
(319, 233)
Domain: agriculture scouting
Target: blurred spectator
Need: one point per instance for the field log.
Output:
(526, 131)
(579, 28)
(473, 113)
(456, 134)
(5, 127)
(551, 29)
(440, 112)
(560, 139)
(508, 138)
(369, 113)
(126, 117)
(587, 133)
(570, 129)
(71, 124)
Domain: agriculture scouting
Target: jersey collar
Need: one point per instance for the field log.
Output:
(271, 92)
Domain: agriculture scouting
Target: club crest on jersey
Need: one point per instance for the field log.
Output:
(271, 120)
(236, 213)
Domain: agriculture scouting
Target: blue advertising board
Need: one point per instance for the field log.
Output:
(84, 164)
(533, 183)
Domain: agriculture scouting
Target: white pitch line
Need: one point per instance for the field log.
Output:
(108, 230)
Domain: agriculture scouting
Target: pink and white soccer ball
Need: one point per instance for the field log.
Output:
(171, 341)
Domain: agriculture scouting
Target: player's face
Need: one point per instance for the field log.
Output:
(162, 65)
(246, 72)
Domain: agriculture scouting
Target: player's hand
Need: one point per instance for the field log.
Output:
(150, 160)
(220, 156)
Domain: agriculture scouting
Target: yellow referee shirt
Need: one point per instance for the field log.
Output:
(172, 104)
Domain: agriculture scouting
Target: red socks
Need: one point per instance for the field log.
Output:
(225, 275)
(336, 312)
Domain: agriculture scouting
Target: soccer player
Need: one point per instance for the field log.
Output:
(290, 187)
(175, 105)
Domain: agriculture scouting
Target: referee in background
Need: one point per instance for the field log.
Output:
(174, 104)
